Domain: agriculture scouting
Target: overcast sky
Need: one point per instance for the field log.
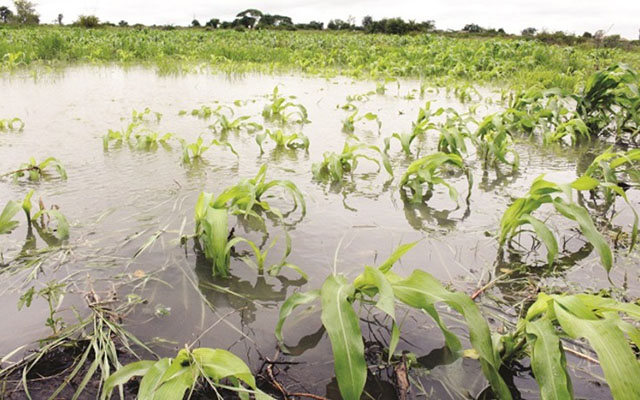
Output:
(615, 16)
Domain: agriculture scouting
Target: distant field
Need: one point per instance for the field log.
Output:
(498, 61)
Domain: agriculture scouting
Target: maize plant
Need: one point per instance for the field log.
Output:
(11, 125)
(170, 378)
(335, 165)
(560, 196)
(383, 288)
(193, 151)
(349, 123)
(282, 140)
(428, 171)
(280, 110)
(35, 171)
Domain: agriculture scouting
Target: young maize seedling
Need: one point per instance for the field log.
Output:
(170, 378)
(212, 215)
(194, 151)
(575, 129)
(419, 128)
(36, 171)
(150, 140)
(261, 256)
(41, 221)
(348, 124)
(277, 110)
(597, 319)
(383, 288)
(334, 165)
(7, 224)
(545, 192)
(53, 293)
(120, 136)
(224, 125)
(493, 142)
(293, 141)
(11, 125)
(141, 116)
(427, 170)
(205, 112)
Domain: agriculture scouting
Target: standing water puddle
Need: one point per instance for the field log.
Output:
(128, 207)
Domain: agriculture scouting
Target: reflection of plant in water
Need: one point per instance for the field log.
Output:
(334, 165)
(420, 215)
(170, 378)
(427, 171)
(239, 294)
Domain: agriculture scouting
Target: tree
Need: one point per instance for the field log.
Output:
(367, 21)
(529, 31)
(123, 24)
(213, 23)
(26, 12)
(473, 28)
(60, 16)
(5, 14)
(87, 21)
(195, 23)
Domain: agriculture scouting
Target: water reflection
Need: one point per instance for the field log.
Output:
(236, 293)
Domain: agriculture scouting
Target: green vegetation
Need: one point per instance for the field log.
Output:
(437, 58)
(245, 198)
(335, 165)
(170, 378)
(35, 171)
(282, 140)
(11, 125)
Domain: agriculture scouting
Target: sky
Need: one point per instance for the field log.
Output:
(575, 16)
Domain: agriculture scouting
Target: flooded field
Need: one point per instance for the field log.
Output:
(130, 208)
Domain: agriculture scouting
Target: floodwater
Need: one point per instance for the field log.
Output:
(118, 200)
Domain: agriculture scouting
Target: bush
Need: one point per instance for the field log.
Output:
(88, 21)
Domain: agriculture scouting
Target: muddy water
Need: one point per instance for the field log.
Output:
(117, 200)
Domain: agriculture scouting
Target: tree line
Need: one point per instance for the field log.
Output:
(252, 19)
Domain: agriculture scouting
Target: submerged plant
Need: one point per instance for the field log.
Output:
(283, 111)
(11, 125)
(36, 171)
(212, 215)
(335, 165)
(348, 124)
(422, 124)
(225, 125)
(194, 151)
(7, 224)
(141, 116)
(120, 136)
(169, 378)
(383, 288)
(282, 140)
(149, 140)
(428, 171)
(601, 321)
(493, 141)
(561, 198)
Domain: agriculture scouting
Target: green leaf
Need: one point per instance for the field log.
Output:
(423, 291)
(219, 364)
(122, 376)
(8, 212)
(545, 235)
(588, 229)
(548, 361)
(293, 302)
(620, 366)
(343, 327)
